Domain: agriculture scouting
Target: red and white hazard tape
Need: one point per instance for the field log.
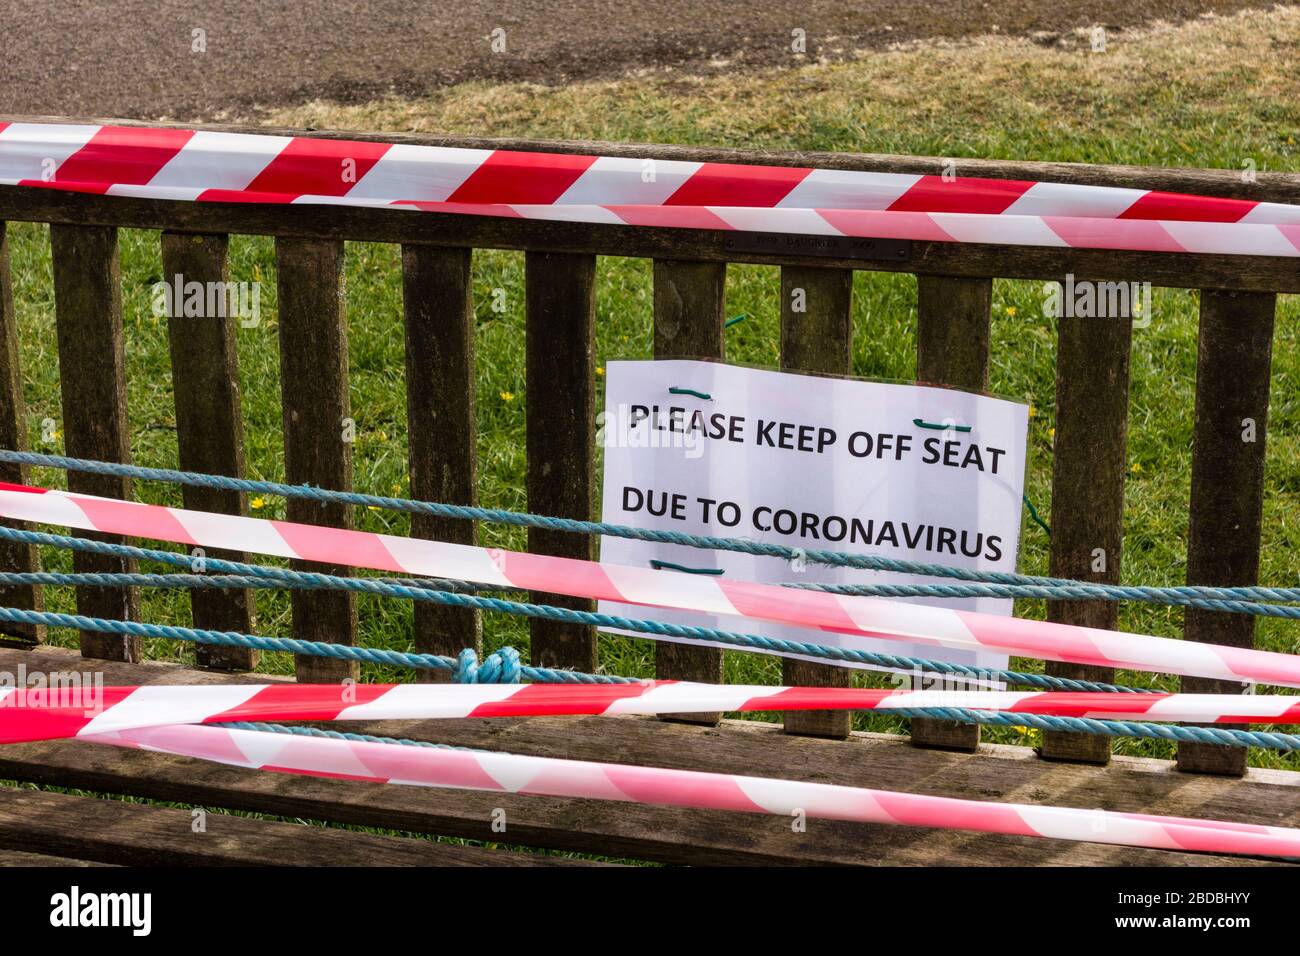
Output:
(206, 166)
(546, 776)
(51, 714)
(840, 619)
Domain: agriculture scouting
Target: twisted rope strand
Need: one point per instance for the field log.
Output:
(500, 665)
(283, 577)
(1230, 737)
(1054, 592)
(504, 666)
(1155, 595)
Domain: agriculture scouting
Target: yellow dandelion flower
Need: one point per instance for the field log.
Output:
(1137, 466)
(1033, 412)
(258, 503)
(600, 370)
(1011, 311)
(507, 396)
(1051, 433)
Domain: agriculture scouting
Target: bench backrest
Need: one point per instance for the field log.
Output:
(1237, 303)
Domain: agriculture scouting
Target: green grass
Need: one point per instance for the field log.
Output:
(1187, 104)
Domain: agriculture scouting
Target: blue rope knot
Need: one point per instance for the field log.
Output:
(501, 667)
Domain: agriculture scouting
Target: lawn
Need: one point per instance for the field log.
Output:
(1215, 93)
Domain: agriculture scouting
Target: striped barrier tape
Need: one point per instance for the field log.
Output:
(426, 766)
(213, 166)
(48, 714)
(843, 620)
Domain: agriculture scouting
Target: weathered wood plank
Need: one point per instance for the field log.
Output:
(441, 424)
(998, 773)
(952, 348)
(689, 309)
(1176, 270)
(22, 858)
(1234, 359)
(817, 336)
(318, 429)
(689, 303)
(114, 832)
(209, 427)
(92, 380)
(561, 420)
(13, 435)
(952, 332)
(1089, 461)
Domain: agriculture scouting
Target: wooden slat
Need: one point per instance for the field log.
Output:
(132, 834)
(952, 332)
(952, 348)
(1234, 357)
(996, 773)
(441, 428)
(13, 435)
(817, 339)
(209, 428)
(689, 304)
(1089, 461)
(688, 322)
(22, 858)
(92, 378)
(561, 421)
(387, 224)
(314, 387)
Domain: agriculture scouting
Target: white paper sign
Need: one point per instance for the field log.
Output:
(903, 471)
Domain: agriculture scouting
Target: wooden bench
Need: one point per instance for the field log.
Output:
(1237, 295)
(660, 834)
